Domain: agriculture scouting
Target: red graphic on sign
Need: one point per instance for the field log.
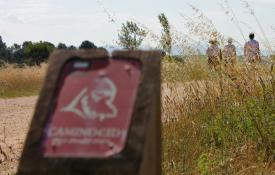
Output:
(93, 111)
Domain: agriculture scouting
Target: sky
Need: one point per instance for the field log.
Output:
(71, 21)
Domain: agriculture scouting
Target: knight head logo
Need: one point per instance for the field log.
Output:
(95, 103)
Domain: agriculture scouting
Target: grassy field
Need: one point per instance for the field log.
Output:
(214, 122)
(17, 82)
(218, 122)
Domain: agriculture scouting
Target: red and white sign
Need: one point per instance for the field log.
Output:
(93, 112)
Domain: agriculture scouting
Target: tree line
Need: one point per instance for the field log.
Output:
(34, 53)
(130, 36)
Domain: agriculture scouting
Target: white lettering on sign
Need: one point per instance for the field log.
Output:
(62, 141)
(105, 90)
(86, 136)
(87, 132)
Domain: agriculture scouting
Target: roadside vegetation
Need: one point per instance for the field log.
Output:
(18, 82)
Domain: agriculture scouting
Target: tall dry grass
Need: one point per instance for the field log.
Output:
(25, 81)
(218, 122)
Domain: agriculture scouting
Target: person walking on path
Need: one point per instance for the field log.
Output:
(229, 53)
(252, 50)
(214, 54)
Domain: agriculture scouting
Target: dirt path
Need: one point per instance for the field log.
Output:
(15, 116)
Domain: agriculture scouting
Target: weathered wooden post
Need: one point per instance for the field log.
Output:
(97, 115)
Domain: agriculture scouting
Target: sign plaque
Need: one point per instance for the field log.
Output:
(93, 111)
(97, 115)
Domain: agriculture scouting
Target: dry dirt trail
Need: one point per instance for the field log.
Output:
(15, 116)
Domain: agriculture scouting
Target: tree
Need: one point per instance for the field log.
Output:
(87, 45)
(17, 53)
(38, 52)
(2, 44)
(25, 44)
(166, 39)
(131, 35)
(15, 47)
(61, 46)
(4, 51)
(71, 47)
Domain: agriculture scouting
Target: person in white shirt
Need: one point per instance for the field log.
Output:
(229, 53)
(214, 54)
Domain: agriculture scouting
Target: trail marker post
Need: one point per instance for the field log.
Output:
(97, 115)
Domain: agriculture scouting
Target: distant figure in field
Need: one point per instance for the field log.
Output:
(229, 53)
(252, 50)
(214, 54)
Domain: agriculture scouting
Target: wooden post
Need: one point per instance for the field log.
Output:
(97, 115)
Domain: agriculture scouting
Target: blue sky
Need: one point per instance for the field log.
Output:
(71, 21)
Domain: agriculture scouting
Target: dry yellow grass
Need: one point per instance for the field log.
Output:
(25, 81)
(218, 123)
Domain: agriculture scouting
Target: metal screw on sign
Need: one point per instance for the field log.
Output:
(128, 68)
(102, 73)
